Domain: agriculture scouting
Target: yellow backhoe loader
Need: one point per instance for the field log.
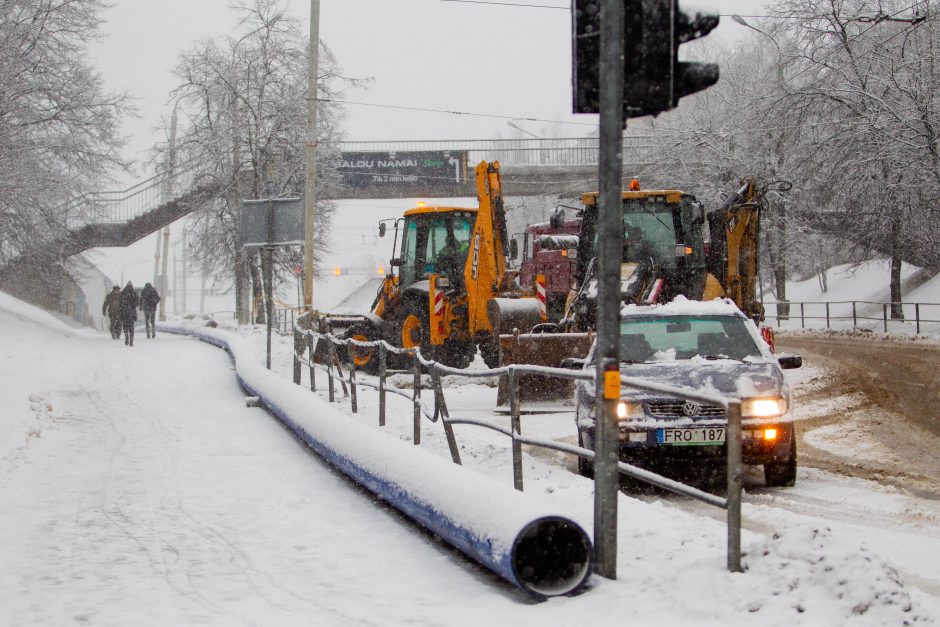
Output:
(449, 290)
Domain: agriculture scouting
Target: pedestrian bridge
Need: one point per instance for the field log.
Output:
(551, 166)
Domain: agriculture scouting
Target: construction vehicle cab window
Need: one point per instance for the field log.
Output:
(433, 241)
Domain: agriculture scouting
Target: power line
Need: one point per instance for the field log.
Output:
(450, 112)
(568, 8)
(509, 4)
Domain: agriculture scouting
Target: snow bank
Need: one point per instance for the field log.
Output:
(510, 532)
(36, 315)
(809, 572)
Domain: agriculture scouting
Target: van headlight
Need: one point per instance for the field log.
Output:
(763, 407)
(627, 410)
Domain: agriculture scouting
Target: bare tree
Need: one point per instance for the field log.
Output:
(245, 101)
(58, 127)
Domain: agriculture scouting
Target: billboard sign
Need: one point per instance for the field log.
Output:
(277, 221)
(404, 170)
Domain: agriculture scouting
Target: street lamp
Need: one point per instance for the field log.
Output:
(512, 124)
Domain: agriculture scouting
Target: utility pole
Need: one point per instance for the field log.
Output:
(168, 195)
(202, 289)
(610, 240)
(310, 192)
(184, 272)
(156, 262)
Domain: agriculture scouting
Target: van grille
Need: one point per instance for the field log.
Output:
(673, 409)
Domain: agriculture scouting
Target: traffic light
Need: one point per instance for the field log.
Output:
(654, 78)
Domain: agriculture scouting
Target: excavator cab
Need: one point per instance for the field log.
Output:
(435, 240)
(663, 251)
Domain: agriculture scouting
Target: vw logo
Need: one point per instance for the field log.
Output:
(691, 409)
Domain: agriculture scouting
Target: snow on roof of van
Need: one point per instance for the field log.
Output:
(682, 306)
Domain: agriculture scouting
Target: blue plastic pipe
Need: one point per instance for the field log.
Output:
(513, 534)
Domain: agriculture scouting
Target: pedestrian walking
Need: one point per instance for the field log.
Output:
(112, 309)
(148, 303)
(129, 303)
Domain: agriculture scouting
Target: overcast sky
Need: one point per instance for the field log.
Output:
(435, 54)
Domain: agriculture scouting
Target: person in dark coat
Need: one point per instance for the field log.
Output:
(112, 309)
(148, 302)
(129, 303)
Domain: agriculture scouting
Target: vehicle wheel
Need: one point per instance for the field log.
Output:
(585, 466)
(489, 351)
(366, 359)
(412, 331)
(457, 354)
(782, 474)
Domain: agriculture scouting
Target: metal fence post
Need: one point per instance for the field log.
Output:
(802, 316)
(917, 316)
(312, 348)
(298, 348)
(352, 377)
(417, 399)
(735, 480)
(382, 360)
(329, 369)
(854, 316)
(884, 315)
(827, 315)
(516, 429)
(440, 411)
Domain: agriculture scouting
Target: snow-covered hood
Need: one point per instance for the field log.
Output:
(729, 377)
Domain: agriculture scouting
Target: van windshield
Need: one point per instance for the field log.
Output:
(646, 339)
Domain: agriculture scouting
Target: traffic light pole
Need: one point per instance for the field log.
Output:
(610, 239)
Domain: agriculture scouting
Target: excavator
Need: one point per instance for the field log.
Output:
(449, 288)
(671, 247)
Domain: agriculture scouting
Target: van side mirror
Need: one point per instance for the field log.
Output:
(381, 229)
(513, 249)
(788, 362)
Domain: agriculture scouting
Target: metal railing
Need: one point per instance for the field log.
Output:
(829, 314)
(548, 151)
(120, 206)
(308, 341)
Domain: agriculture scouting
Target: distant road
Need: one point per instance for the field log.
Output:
(359, 301)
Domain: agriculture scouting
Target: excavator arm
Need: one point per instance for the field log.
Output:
(735, 235)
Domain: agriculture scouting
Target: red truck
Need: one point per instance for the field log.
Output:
(555, 259)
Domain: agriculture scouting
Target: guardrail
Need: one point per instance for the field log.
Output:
(832, 312)
(307, 341)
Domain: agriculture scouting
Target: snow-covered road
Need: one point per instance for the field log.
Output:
(137, 488)
(149, 494)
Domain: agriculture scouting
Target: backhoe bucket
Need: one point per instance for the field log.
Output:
(540, 349)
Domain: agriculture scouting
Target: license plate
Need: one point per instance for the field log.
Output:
(696, 436)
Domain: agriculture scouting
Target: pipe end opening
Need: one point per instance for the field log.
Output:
(552, 557)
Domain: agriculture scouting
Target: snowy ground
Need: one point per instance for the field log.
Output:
(137, 488)
(866, 284)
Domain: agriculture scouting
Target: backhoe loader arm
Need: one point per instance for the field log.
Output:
(486, 264)
(735, 234)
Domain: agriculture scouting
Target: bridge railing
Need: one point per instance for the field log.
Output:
(548, 152)
(119, 206)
